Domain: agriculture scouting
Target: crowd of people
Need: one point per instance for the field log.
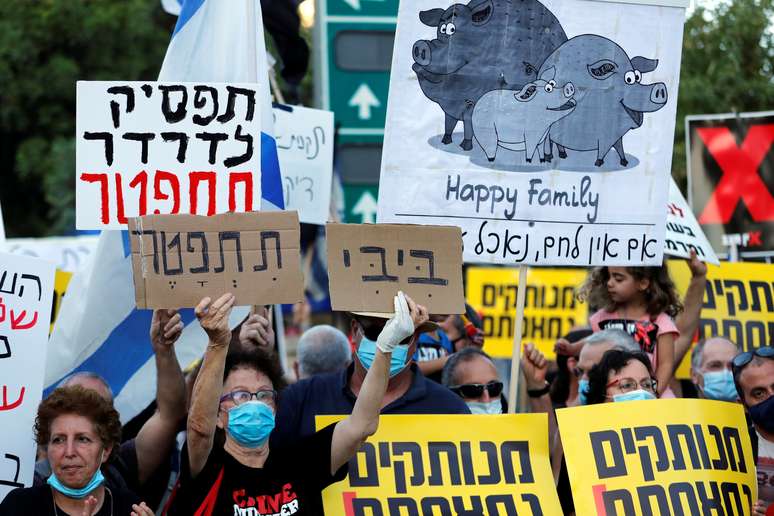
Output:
(236, 432)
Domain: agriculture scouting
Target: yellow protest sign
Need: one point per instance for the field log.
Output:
(448, 464)
(669, 456)
(61, 280)
(551, 309)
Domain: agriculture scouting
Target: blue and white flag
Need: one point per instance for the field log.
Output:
(98, 328)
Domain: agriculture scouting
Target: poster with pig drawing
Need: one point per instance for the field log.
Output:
(543, 128)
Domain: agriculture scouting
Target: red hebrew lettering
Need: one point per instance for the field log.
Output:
(754, 238)
(674, 209)
(142, 180)
(11, 406)
(174, 183)
(194, 178)
(740, 178)
(16, 323)
(102, 179)
(120, 201)
(348, 496)
(599, 502)
(240, 177)
(2, 310)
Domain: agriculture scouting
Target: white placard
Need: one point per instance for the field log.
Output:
(683, 231)
(153, 147)
(26, 286)
(477, 90)
(69, 254)
(305, 147)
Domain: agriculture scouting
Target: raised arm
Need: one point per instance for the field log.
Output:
(534, 366)
(203, 415)
(688, 321)
(352, 432)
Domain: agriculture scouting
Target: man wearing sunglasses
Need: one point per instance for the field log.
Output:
(754, 379)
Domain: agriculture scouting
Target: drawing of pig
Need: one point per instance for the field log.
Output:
(611, 99)
(482, 46)
(519, 120)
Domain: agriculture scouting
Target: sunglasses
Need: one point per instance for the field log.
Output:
(742, 359)
(476, 390)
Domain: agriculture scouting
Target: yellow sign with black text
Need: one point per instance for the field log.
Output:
(448, 464)
(669, 456)
(61, 281)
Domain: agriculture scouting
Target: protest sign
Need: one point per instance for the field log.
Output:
(165, 148)
(369, 263)
(69, 254)
(731, 180)
(61, 281)
(522, 145)
(179, 259)
(26, 285)
(668, 456)
(305, 147)
(683, 233)
(551, 308)
(458, 465)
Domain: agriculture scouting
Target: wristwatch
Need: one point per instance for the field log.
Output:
(536, 393)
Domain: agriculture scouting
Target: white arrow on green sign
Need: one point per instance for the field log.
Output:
(364, 99)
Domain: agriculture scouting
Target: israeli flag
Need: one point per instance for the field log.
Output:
(98, 328)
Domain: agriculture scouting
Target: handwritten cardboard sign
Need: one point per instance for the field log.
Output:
(179, 259)
(683, 232)
(165, 148)
(369, 263)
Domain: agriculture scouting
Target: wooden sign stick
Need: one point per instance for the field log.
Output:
(521, 294)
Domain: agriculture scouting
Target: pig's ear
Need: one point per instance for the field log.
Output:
(432, 17)
(643, 64)
(482, 13)
(602, 69)
(526, 93)
(548, 74)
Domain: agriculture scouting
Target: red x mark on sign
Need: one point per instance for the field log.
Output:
(740, 180)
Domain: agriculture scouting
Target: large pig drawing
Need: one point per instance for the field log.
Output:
(611, 99)
(519, 120)
(482, 46)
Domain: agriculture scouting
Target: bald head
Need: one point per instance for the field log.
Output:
(595, 345)
(322, 349)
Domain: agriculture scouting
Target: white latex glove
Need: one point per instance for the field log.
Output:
(398, 328)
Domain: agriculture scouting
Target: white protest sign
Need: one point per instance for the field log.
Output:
(305, 148)
(165, 148)
(69, 254)
(27, 285)
(683, 232)
(544, 130)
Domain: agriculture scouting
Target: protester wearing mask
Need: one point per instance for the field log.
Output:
(711, 369)
(754, 379)
(228, 464)
(622, 376)
(80, 431)
(593, 348)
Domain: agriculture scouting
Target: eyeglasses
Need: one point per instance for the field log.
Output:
(267, 396)
(742, 359)
(630, 384)
(476, 390)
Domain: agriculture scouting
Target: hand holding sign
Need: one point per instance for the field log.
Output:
(213, 317)
(408, 315)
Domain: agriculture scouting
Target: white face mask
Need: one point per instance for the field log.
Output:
(482, 408)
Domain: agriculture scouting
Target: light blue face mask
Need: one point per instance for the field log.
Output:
(96, 480)
(250, 423)
(367, 351)
(485, 408)
(583, 387)
(719, 385)
(638, 395)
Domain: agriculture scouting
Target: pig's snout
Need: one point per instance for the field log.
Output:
(569, 90)
(422, 53)
(658, 94)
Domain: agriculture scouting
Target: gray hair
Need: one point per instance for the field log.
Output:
(322, 349)
(87, 374)
(697, 354)
(618, 338)
(449, 373)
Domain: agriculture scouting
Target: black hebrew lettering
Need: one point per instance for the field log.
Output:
(370, 478)
(12, 291)
(397, 505)
(755, 327)
(467, 463)
(534, 503)
(730, 490)
(733, 330)
(34, 278)
(232, 93)
(151, 232)
(214, 139)
(605, 470)
(748, 495)
(107, 138)
(709, 295)
(522, 448)
(417, 467)
(506, 501)
(460, 507)
(237, 238)
(721, 463)
(675, 433)
(147, 89)
(710, 502)
(347, 259)
(615, 498)
(377, 277)
(662, 463)
(701, 444)
(373, 506)
(7, 345)
(143, 138)
(200, 101)
(15, 482)
(741, 293)
(682, 493)
(175, 242)
(265, 236)
(431, 503)
(430, 279)
(384, 455)
(755, 288)
(435, 449)
(732, 434)
(493, 477)
(115, 108)
(182, 143)
(178, 114)
(400, 257)
(488, 295)
(645, 493)
(205, 267)
(628, 440)
(248, 154)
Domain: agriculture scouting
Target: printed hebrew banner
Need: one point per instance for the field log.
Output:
(543, 129)
(683, 233)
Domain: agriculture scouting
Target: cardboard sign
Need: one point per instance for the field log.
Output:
(179, 259)
(165, 148)
(26, 285)
(683, 233)
(550, 312)
(369, 263)
(555, 152)
(305, 148)
(668, 456)
(448, 464)
(731, 180)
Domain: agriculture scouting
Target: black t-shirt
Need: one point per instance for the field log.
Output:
(289, 483)
(40, 500)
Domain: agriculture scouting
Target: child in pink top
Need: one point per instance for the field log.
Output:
(642, 302)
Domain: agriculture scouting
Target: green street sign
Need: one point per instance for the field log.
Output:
(362, 7)
(360, 204)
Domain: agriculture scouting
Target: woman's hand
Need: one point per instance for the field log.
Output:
(141, 510)
(213, 317)
(258, 330)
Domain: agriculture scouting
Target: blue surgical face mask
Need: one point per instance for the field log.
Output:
(250, 423)
(639, 394)
(484, 408)
(367, 351)
(96, 480)
(719, 385)
(583, 387)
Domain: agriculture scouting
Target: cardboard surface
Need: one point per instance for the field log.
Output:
(369, 263)
(179, 259)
